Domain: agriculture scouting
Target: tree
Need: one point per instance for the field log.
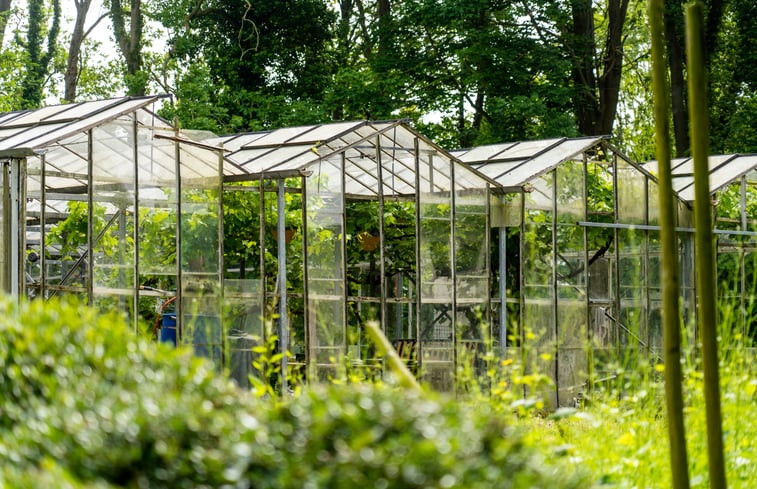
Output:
(5, 10)
(269, 63)
(79, 34)
(128, 23)
(38, 62)
(733, 81)
(674, 38)
(597, 70)
(492, 74)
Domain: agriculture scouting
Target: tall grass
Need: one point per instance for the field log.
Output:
(623, 440)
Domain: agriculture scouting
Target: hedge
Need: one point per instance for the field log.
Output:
(85, 403)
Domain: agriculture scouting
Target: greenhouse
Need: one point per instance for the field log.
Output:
(304, 232)
(110, 199)
(733, 187)
(577, 258)
(290, 239)
(378, 223)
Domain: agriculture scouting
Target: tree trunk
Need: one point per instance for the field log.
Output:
(71, 77)
(676, 64)
(384, 33)
(130, 43)
(612, 67)
(5, 7)
(39, 62)
(583, 46)
(674, 39)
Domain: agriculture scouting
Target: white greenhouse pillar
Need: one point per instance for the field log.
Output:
(13, 229)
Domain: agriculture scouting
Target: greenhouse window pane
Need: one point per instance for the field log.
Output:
(324, 132)
(527, 149)
(326, 304)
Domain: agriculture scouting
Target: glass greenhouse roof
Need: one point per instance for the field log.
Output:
(296, 151)
(29, 130)
(515, 164)
(724, 169)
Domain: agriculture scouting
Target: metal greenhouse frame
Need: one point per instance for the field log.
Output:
(81, 185)
(426, 300)
(578, 259)
(545, 251)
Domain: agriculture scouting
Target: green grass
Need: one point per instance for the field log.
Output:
(622, 439)
(87, 404)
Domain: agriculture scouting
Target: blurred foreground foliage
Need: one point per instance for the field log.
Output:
(85, 403)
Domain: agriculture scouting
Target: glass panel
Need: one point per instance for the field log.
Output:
(600, 191)
(527, 148)
(324, 132)
(729, 171)
(572, 330)
(400, 239)
(545, 161)
(32, 264)
(82, 109)
(4, 266)
(471, 275)
(35, 116)
(83, 124)
(66, 244)
(26, 136)
(632, 323)
(538, 281)
(496, 170)
(437, 324)
(326, 288)
(728, 208)
(113, 193)
(631, 194)
(751, 200)
(653, 203)
(243, 285)
(730, 284)
(200, 261)
(750, 291)
(157, 230)
(283, 135)
(483, 153)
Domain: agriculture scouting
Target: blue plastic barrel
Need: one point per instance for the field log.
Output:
(168, 329)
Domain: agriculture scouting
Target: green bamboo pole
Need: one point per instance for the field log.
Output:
(670, 281)
(698, 117)
(395, 363)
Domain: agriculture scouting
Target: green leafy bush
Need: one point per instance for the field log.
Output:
(85, 403)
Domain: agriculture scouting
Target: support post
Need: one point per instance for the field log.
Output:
(503, 290)
(178, 303)
(14, 230)
(6, 226)
(42, 228)
(555, 291)
(418, 276)
(135, 232)
(488, 266)
(282, 259)
(453, 262)
(587, 280)
(309, 329)
(382, 240)
(90, 221)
